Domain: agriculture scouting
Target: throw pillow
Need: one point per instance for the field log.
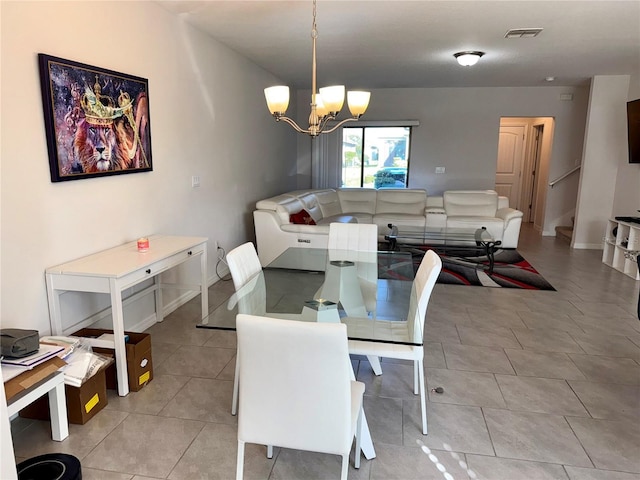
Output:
(302, 218)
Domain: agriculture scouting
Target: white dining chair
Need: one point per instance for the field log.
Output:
(351, 241)
(412, 329)
(296, 388)
(251, 294)
(244, 265)
(353, 236)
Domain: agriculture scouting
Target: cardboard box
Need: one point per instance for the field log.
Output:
(83, 402)
(139, 360)
(30, 377)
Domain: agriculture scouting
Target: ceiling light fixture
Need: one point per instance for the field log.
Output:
(469, 58)
(325, 105)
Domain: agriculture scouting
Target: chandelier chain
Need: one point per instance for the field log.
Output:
(314, 28)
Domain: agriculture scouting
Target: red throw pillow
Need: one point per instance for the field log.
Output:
(302, 218)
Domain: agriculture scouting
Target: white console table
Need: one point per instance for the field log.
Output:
(114, 270)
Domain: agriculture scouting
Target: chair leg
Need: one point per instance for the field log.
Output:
(358, 452)
(375, 364)
(269, 451)
(240, 461)
(345, 467)
(423, 396)
(236, 385)
(416, 378)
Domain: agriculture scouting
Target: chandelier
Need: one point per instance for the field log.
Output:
(325, 104)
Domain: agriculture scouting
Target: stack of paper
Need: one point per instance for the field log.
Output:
(44, 353)
(12, 367)
(68, 343)
(81, 365)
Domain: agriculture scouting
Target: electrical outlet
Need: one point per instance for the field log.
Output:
(440, 169)
(195, 181)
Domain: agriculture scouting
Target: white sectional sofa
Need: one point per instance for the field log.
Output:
(301, 218)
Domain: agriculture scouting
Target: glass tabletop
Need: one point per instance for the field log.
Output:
(445, 235)
(371, 292)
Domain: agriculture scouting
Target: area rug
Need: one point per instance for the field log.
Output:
(510, 270)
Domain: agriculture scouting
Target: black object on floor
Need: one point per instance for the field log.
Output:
(52, 466)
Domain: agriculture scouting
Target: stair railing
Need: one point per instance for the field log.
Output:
(562, 177)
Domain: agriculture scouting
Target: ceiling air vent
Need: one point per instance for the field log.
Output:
(522, 33)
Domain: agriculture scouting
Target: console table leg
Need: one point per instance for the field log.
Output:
(204, 287)
(117, 316)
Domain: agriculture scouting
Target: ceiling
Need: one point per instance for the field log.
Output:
(404, 44)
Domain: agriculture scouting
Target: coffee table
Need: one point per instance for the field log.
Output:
(462, 240)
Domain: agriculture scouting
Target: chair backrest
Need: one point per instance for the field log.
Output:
(353, 236)
(423, 284)
(294, 384)
(243, 264)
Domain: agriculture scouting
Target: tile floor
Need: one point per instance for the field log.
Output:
(537, 385)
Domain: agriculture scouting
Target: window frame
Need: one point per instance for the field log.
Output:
(375, 124)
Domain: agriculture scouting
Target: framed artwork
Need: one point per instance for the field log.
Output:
(96, 120)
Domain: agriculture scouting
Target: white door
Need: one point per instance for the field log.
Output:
(509, 165)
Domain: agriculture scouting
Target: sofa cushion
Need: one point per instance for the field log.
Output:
(287, 207)
(338, 219)
(273, 202)
(310, 201)
(398, 219)
(482, 203)
(329, 203)
(401, 201)
(494, 225)
(358, 200)
(362, 217)
(302, 218)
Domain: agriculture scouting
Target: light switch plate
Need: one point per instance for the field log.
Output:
(439, 169)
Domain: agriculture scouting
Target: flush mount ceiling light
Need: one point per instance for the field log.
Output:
(466, 59)
(325, 106)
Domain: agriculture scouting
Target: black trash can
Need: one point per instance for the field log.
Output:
(52, 466)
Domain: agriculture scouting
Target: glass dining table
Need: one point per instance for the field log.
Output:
(371, 292)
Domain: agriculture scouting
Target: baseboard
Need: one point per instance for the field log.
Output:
(149, 320)
(587, 246)
(143, 324)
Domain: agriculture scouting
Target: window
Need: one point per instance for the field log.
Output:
(375, 157)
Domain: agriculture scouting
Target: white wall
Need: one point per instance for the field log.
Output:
(208, 117)
(459, 130)
(605, 152)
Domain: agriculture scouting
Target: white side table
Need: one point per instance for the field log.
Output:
(54, 386)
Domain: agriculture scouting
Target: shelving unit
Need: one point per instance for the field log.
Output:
(621, 245)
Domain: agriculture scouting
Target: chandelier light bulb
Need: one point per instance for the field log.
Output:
(358, 102)
(321, 110)
(277, 99)
(333, 97)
